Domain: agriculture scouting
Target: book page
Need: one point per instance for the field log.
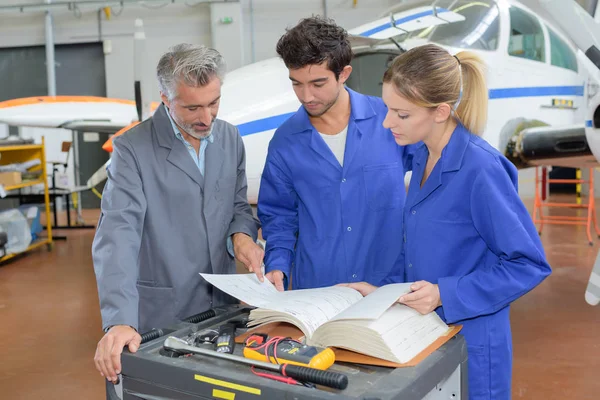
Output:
(376, 303)
(406, 332)
(398, 335)
(312, 307)
(245, 287)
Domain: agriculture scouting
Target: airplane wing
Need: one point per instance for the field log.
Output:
(362, 41)
(78, 113)
(69, 112)
(83, 113)
(399, 23)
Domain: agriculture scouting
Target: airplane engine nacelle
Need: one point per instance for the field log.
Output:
(592, 125)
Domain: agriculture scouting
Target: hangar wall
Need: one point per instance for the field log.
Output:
(263, 21)
(259, 23)
(256, 23)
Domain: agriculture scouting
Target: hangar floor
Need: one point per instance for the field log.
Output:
(50, 323)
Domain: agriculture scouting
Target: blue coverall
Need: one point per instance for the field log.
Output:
(467, 230)
(334, 224)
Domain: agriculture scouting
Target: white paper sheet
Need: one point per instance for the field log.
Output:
(376, 303)
(245, 287)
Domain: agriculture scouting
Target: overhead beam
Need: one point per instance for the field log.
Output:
(95, 4)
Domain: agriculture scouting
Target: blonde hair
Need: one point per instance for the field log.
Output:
(429, 76)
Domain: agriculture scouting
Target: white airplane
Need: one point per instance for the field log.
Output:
(543, 84)
(535, 78)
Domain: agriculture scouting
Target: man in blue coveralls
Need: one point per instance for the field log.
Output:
(332, 190)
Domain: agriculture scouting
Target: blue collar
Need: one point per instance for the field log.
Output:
(453, 153)
(360, 108)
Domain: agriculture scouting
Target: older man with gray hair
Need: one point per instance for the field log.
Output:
(174, 206)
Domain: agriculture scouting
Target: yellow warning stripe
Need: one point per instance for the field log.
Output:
(221, 394)
(228, 385)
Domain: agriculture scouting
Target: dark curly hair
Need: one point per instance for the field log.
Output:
(313, 41)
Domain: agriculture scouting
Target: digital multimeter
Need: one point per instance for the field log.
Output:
(280, 350)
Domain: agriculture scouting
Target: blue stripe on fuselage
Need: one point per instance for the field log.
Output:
(261, 125)
(269, 123)
(538, 91)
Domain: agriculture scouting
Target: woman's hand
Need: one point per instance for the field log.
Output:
(425, 297)
(363, 287)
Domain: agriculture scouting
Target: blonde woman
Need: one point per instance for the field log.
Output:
(469, 243)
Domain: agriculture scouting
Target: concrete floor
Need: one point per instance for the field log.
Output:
(50, 323)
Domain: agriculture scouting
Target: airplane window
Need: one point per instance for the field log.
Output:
(561, 54)
(526, 36)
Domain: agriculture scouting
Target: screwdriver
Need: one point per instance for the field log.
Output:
(325, 378)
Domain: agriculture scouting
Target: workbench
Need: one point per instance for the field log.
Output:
(147, 374)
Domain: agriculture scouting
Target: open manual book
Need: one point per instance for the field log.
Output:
(338, 316)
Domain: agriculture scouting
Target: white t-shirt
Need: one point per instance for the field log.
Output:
(337, 144)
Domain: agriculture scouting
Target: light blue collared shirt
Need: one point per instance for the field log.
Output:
(197, 157)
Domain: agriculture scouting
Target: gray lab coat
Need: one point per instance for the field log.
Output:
(162, 223)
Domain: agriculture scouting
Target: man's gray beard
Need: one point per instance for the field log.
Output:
(200, 137)
(190, 129)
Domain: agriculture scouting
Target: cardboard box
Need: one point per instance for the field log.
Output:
(10, 178)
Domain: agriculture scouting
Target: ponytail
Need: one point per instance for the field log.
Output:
(429, 76)
(473, 107)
